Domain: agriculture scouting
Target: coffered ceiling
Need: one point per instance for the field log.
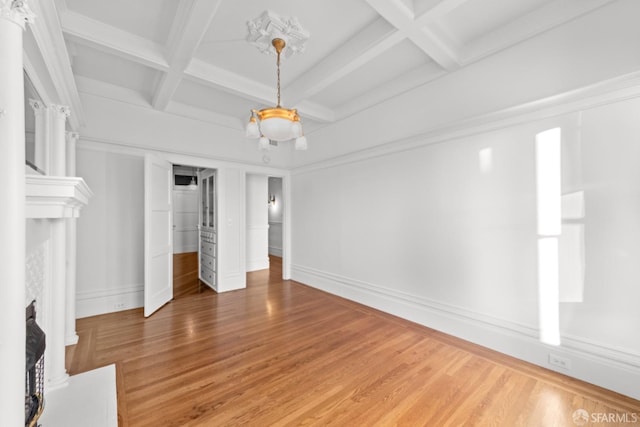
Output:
(191, 57)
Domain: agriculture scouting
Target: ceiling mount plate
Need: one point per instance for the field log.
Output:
(269, 26)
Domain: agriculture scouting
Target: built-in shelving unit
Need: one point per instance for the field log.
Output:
(208, 236)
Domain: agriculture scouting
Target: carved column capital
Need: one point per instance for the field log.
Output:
(16, 11)
(61, 109)
(72, 136)
(39, 106)
(35, 104)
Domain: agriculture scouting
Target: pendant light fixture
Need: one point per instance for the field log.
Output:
(193, 185)
(285, 37)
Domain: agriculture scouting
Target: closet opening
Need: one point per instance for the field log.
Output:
(194, 230)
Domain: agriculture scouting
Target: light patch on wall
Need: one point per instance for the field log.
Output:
(548, 291)
(572, 247)
(548, 177)
(548, 192)
(485, 159)
(571, 256)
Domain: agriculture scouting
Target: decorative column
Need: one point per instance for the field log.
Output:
(55, 371)
(41, 113)
(71, 337)
(13, 16)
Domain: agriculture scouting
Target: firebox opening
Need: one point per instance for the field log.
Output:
(34, 372)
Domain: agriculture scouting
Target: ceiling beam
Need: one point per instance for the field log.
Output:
(369, 43)
(189, 27)
(48, 35)
(230, 82)
(219, 78)
(402, 17)
(438, 11)
(86, 31)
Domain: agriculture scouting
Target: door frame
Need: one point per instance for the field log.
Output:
(220, 166)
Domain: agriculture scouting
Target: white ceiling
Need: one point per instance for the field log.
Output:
(191, 56)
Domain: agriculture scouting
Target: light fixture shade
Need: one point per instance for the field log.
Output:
(192, 185)
(278, 127)
(252, 130)
(296, 129)
(263, 143)
(301, 143)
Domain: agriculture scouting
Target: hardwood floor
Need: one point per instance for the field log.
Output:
(281, 353)
(185, 274)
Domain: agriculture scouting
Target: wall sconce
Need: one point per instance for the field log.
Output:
(272, 199)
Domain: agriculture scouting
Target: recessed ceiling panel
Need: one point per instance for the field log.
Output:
(101, 66)
(150, 19)
(475, 18)
(390, 65)
(209, 98)
(330, 23)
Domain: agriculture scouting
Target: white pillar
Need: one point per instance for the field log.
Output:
(13, 16)
(58, 150)
(41, 135)
(71, 337)
(55, 370)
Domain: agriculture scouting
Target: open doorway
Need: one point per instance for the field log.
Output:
(276, 211)
(185, 230)
(194, 230)
(264, 222)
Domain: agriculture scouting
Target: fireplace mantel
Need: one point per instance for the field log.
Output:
(55, 196)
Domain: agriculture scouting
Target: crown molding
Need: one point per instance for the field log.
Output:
(602, 93)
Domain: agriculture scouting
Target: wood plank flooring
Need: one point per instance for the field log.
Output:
(185, 274)
(281, 353)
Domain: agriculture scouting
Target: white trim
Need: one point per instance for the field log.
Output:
(275, 251)
(602, 93)
(48, 35)
(92, 303)
(613, 368)
(87, 142)
(256, 264)
(55, 196)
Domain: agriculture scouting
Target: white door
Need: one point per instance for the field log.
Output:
(158, 253)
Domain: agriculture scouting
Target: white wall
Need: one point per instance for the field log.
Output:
(276, 211)
(185, 220)
(435, 235)
(257, 223)
(110, 233)
(185, 214)
(139, 126)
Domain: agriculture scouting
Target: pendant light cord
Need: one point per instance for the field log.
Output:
(278, 67)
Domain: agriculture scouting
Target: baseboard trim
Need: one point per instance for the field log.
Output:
(275, 251)
(92, 303)
(613, 369)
